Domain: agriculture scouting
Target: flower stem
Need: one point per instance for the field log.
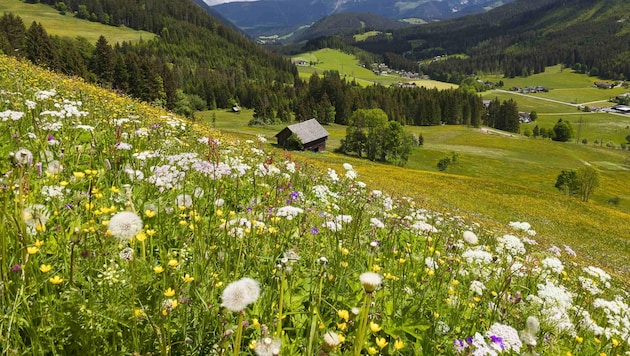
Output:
(280, 306)
(239, 333)
(361, 331)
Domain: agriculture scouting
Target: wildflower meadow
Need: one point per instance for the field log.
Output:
(126, 230)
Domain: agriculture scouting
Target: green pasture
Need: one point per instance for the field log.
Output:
(530, 103)
(591, 126)
(489, 154)
(554, 77)
(348, 67)
(582, 95)
(70, 26)
(364, 36)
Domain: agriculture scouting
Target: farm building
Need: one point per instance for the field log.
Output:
(311, 134)
(624, 109)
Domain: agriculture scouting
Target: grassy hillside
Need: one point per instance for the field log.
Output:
(499, 176)
(348, 66)
(70, 26)
(128, 230)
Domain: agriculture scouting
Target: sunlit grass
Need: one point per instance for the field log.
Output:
(70, 26)
(128, 230)
(348, 67)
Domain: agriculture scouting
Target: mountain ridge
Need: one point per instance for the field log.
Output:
(282, 17)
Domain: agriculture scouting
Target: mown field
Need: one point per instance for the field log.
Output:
(348, 66)
(70, 26)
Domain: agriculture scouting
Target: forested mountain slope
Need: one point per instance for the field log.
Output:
(195, 57)
(522, 38)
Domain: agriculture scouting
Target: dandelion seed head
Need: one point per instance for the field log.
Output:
(239, 294)
(370, 281)
(470, 237)
(268, 347)
(23, 157)
(125, 225)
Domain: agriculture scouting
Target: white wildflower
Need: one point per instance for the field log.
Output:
(239, 294)
(125, 225)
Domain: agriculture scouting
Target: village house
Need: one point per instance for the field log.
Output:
(299, 62)
(603, 85)
(310, 133)
(524, 118)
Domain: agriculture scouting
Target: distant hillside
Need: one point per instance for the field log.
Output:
(521, 39)
(281, 18)
(194, 62)
(347, 24)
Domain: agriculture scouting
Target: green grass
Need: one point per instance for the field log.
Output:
(530, 162)
(70, 26)
(348, 66)
(564, 85)
(554, 77)
(140, 247)
(364, 36)
(529, 104)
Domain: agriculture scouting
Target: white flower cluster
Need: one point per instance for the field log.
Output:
(11, 115)
(289, 212)
(617, 314)
(599, 274)
(552, 265)
(510, 245)
(554, 302)
(166, 177)
(523, 226)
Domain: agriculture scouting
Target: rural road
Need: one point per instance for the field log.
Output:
(539, 98)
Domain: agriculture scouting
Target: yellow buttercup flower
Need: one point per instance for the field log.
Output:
(342, 326)
(169, 292)
(139, 313)
(372, 350)
(398, 344)
(187, 278)
(56, 280)
(32, 250)
(381, 342)
(173, 263)
(615, 342)
(343, 314)
(45, 268)
(375, 327)
(149, 213)
(158, 269)
(39, 243)
(78, 175)
(141, 236)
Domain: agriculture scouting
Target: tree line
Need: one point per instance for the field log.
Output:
(186, 69)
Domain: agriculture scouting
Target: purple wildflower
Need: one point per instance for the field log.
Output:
(498, 340)
(314, 230)
(459, 345)
(16, 268)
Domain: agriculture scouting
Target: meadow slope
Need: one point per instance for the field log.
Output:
(128, 230)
